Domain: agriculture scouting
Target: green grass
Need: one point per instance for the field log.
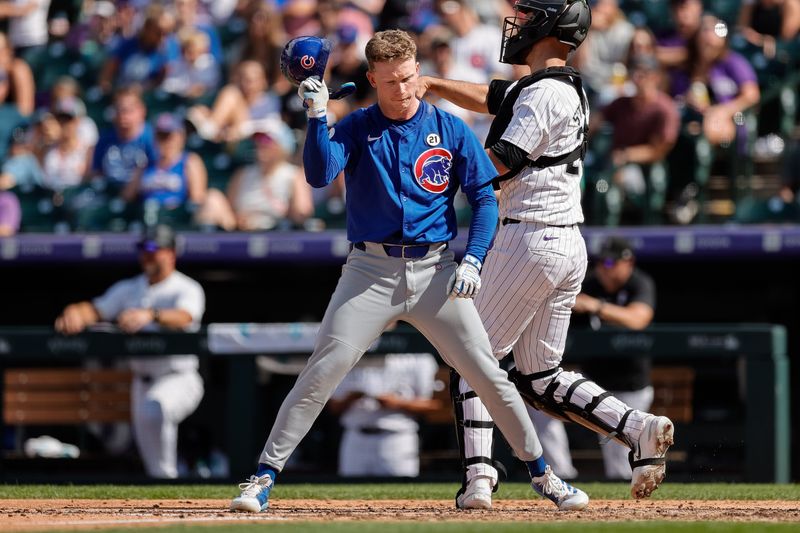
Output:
(469, 527)
(418, 491)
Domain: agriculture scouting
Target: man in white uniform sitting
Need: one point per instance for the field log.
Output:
(379, 401)
(166, 389)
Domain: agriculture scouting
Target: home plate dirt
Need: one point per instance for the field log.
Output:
(38, 515)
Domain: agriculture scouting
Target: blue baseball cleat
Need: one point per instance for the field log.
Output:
(255, 495)
(565, 496)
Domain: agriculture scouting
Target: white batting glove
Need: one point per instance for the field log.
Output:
(468, 278)
(314, 94)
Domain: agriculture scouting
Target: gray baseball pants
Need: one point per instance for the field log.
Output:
(374, 291)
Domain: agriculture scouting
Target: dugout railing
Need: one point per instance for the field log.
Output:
(761, 348)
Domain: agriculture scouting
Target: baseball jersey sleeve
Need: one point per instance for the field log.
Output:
(475, 172)
(192, 299)
(643, 289)
(535, 111)
(326, 151)
(497, 91)
(112, 302)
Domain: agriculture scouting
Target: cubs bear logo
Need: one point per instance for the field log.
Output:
(432, 170)
(307, 62)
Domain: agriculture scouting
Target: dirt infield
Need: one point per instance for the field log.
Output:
(39, 515)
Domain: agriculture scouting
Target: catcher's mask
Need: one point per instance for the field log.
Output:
(533, 20)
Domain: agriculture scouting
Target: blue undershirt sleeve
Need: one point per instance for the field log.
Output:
(483, 225)
(323, 157)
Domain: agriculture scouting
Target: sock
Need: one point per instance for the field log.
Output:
(536, 467)
(266, 469)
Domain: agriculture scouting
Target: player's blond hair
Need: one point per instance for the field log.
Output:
(390, 45)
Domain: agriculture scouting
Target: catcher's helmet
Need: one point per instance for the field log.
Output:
(303, 57)
(533, 20)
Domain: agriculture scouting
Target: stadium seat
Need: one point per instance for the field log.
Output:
(36, 205)
(726, 10)
(57, 60)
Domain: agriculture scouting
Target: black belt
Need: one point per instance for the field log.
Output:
(148, 379)
(507, 221)
(374, 431)
(401, 251)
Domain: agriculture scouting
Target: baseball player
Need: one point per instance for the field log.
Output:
(403, 161)
(165, 389)
(380, 400)
(534, 272)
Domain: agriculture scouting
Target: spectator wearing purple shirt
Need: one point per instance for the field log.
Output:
(10, 213)
(715, 81)
(673, 47)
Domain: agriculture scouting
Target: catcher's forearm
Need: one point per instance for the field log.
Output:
(464, 94)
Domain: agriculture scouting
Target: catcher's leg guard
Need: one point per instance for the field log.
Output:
(572, 397)
(474, 432)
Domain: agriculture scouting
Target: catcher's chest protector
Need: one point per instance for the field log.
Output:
(506, 113)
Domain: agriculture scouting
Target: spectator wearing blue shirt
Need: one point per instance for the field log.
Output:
(127, 147)
(142, 59)
(176, 178)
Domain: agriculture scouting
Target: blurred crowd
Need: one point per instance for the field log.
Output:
(120, 114)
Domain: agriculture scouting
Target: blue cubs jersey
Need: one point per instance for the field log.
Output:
(401, 176)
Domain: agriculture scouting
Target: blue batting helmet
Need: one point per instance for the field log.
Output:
(303, 57)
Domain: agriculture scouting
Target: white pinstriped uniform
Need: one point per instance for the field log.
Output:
(548, 119)
(534, 271)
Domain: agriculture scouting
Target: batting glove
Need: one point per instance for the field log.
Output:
(314, 94)
(468, 278)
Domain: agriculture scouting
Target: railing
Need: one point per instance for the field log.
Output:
(762, 347)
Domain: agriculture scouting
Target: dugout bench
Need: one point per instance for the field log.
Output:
(762, 347)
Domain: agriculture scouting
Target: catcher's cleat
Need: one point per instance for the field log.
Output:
(648, 460)
(255, 495)
(565, 496)
(478, 494)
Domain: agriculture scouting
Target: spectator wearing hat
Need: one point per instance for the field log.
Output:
(615, 293)
(645, 126)
(176, 178)
(272, 192)
(66, 163)
(66, 88)
(97, 30)
(126, 148)
(165, 389)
